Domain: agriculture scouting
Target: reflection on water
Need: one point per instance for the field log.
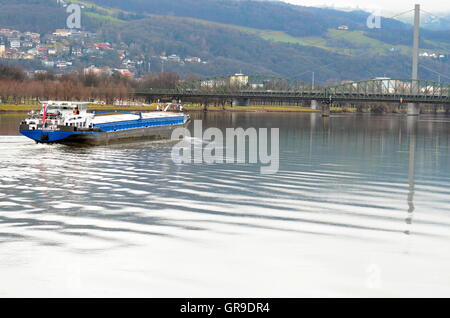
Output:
(412, 133)
(359, 208)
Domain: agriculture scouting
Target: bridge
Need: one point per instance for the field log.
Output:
(241, 90)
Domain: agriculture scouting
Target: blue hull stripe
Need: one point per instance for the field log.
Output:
(141, 123)
(47, 136)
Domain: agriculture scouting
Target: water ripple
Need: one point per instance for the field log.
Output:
(354, 185)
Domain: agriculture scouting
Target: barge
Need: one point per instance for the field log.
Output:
(71, 123)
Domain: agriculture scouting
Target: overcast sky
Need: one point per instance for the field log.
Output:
(395, 6)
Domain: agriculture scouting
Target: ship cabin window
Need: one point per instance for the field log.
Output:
(53, 108)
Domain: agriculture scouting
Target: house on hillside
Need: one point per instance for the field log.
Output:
(14, 43)
(48, 63)
(103, 46)
(77, 51)
(174, 58)
(193, 60)
(343, 27)
(62, 33)
(124, 72)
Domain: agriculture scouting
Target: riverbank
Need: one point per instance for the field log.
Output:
(10, 108)
(194, 108)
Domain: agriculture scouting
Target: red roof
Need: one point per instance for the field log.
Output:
(103, 45)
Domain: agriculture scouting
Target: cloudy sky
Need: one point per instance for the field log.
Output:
(395, 6)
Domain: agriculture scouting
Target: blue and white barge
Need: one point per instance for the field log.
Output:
(71, 123)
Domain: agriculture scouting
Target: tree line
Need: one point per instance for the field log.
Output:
(16, 86)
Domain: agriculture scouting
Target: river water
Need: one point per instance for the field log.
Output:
(360, 207)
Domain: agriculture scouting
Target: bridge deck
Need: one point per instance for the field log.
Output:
(383, 90)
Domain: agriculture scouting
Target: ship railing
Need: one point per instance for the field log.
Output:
(119, 112)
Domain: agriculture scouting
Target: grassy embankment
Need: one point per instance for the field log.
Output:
(21, 108)
(11, 108)
(251, 108)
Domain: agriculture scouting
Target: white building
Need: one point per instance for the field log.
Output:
(239, 79)
(48, 63)
(390, 86)
(14, 44)
(62, 33)
(213, 83)
(193, 60)
(174, 58)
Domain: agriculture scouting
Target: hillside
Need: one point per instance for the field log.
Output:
(297, 21)
(248, 36)
(25, 15)
(294, 20)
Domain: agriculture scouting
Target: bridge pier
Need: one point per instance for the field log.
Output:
(314, 104)
(413, 109)
(241, 102)
(325, 110)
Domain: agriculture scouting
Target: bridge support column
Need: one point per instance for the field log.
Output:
(413, 109)
(314, 104)
(241, 102)
(434, 109)
(325, 110)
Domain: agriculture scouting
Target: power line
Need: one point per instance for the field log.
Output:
(436, 72)
(399, 14)
(327, 65)
(443, 49)
(437, 16)
(358, 55)
(313, 43)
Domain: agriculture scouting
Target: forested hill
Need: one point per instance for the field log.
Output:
(294, 20)
(36, 15)
(250, 36)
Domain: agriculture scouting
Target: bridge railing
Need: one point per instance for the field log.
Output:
(377, 89)
(240, 83)
(389, 88)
